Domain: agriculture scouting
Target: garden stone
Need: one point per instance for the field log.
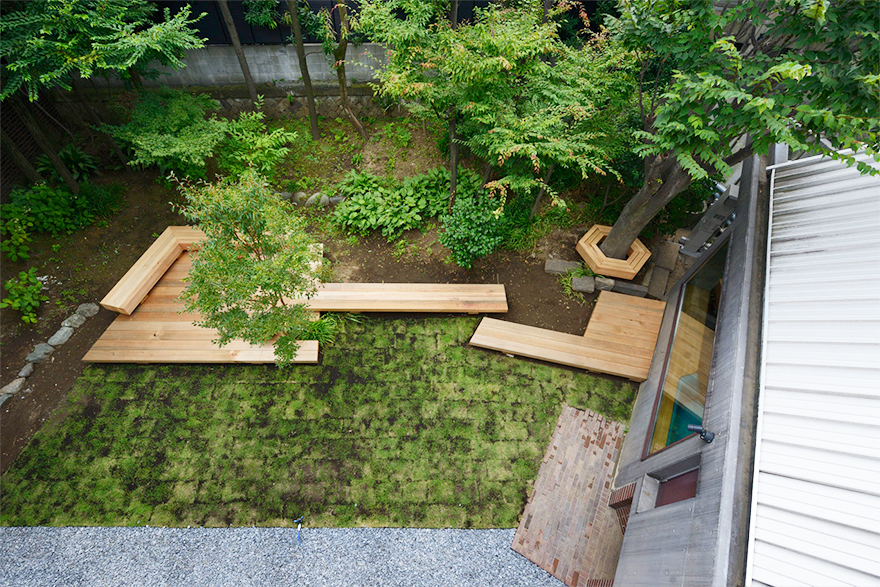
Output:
(584, 284)
(27, 370)
(60, 337)
(40, 353)
(560, 267)
(314, 199)
(325, 201)
(659, 280)
(630, 289)
(299, 197)
(74, 321)
(88, 310)
(286, 196)
(667, 255)
(604, 284)
(336, 200)
(14, 387)
(3, 398)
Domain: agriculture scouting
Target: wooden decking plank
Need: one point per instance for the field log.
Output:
(642, 338)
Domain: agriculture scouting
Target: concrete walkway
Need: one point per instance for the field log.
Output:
(262, 557)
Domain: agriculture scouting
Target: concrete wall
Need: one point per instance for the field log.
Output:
(701, 541)
(217, 65)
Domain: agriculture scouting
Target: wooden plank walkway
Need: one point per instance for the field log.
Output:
(567, 528)
(619, 339)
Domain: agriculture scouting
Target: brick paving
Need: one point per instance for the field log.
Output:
(567, 527)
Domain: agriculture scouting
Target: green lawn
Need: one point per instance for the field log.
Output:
(402, 425)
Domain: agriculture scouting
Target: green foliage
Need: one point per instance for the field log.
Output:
(24, 295)
(168, 128)
(256, 261)
(374, 203)
(250, 143)
(523, 236)
(261, 13)
(80, 164)
(56, 210)
(474, 229)
(398, 135)
(15, 229)
(44, 43)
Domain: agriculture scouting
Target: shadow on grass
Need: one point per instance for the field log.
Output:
(402, 425)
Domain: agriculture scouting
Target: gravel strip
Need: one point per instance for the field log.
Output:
(263, 556)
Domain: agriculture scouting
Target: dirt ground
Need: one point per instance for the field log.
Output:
(84, 266)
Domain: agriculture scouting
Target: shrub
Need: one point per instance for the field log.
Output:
(374, 203)
(474, 229)
(24, 295)
(250, 143)
(79, 163)
(15, 246)
(168, 128)
(56, 210)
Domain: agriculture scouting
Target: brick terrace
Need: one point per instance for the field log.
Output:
(567, 528)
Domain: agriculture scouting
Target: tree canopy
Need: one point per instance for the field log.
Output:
(805, 73)
(45, 43)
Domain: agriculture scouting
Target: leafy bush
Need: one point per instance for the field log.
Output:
(374, 203)
(79, 163)
(474, 229)
(56, 210)
(168, 128)
(250, 143)
(15, 246)
(24, 295)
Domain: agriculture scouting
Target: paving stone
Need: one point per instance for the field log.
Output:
(40, 353)
(584, 284)
(560, 267)
(74, 321)
(666, 255)
(88, 310)
(630, 289)
(604, 283)
(27, 370)
(659, 282)
(60, 337)
(13, 387)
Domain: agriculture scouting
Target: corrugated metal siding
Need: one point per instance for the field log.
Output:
(816, 497)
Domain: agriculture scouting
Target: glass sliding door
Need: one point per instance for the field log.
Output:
(683, 392)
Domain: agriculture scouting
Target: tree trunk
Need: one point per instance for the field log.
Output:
(453, 14)
(96, 118)
(20, 160)
(136, 79)
(236, 44)
(45, 144)
(339, 58)
(304, 69)
(664, 179)
(487, 173)
(453, 159)
(541, 192)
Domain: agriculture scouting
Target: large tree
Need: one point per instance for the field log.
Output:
(804, 73)
(239, 52)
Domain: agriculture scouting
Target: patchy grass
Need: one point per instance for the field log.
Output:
(402, 425)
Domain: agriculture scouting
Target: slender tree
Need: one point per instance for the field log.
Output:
(336, 45)
(777, 71)
(292, 6)
(45, 144)
(20, 160)
(239, 52)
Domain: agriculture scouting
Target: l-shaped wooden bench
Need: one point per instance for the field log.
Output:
(619, 339)
(153, 329)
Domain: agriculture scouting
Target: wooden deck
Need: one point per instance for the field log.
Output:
(619, 339)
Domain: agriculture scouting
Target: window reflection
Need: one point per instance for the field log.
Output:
(683, 396)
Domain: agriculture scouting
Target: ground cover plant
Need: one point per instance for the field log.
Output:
(402, 425)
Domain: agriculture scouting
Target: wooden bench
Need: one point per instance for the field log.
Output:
(619, 340)
(137, 282)
(588, 248)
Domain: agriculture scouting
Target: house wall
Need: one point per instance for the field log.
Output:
(701, 541)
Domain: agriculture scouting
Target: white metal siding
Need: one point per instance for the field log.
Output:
(816, 499)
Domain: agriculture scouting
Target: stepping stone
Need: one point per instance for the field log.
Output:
(60, 337)
(630, 289)
(27, 370)
(667, 255)
(584, 284)
(40, 353)
(74, 321)
(659, 281)
(604, 284)
(88, 310)
(13, 387)
(560, 267)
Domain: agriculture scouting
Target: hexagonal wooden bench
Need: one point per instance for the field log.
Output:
(588, 248)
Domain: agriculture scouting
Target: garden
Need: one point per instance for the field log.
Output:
(502, 140)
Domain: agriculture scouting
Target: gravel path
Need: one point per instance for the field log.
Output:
(262, 556)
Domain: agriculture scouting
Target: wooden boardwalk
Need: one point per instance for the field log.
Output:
(619, 339)
(567, 527)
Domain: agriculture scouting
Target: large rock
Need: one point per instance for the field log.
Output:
(604, 283)
(560, 267)
(40, 353)
(630, 289)
(74, 321)
(60, 337)
(13, 387)
(27, 370)
(298, 197)
(88, 310)
(584, 284)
